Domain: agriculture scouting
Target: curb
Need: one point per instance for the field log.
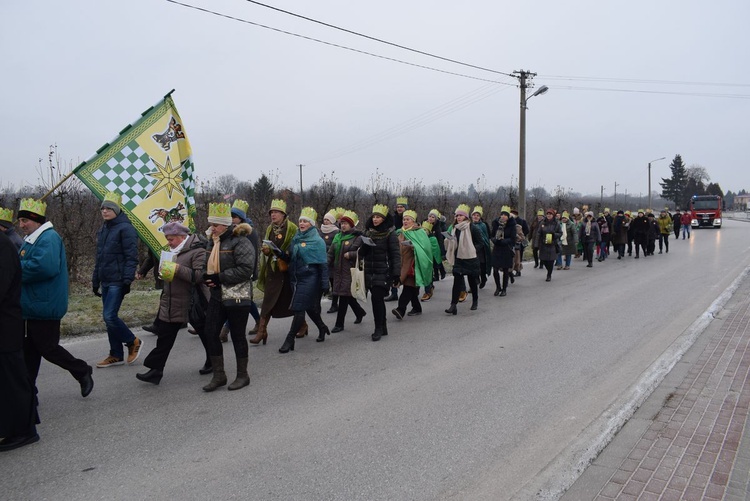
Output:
(560, 474)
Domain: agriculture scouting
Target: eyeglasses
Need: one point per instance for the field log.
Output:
(105, 209)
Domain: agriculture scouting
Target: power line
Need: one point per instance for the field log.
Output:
(664, 92)
(378, 39)
(233, 18)
(641, 81)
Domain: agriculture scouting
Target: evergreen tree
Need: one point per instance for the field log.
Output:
(693, 187)
(673, 188)
(714, 189)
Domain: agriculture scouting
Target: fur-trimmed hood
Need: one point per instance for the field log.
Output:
(242, 230)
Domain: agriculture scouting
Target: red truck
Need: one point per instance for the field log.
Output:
(705, 211)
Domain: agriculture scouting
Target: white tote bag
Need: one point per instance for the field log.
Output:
(359, 292)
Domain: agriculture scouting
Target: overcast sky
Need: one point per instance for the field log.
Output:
(254, 100)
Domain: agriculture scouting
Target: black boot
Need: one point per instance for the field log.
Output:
(452, 309)
(339, 325)
(378, 333)
(322, 334)
(385, 327)
(219, 377)
(206, 369)
(474, 301)
(153, 376)
(288, 343)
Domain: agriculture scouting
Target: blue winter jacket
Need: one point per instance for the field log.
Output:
(44, 277)
(116, 253)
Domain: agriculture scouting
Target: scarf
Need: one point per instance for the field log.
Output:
(422, 255)
(465, 244)
(565, 233)
(213, 263)
(338, 243)
(309, 247)
(588, 228)
(270, 260)
(328, 228)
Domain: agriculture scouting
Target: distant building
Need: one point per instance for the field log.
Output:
(741, 202)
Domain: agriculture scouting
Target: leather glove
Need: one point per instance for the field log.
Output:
(126, 289)
(96, 291)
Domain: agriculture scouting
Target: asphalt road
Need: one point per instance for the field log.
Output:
(466, 407)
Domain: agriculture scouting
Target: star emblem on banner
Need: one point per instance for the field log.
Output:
(168, 178)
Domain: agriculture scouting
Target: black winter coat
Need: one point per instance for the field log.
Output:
(504, 238)
(383, 261)
(469, 267)
(116, 253)
(236, 257)
(11, 321)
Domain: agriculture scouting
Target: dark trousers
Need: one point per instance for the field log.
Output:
(620, 248)
(166, 333)
(314, 314)
(43, 340)
(550, 264)
(664, 240)
(640, 243)
(18, 416)
(377, 298)
(344, 303)
(408, 295)
(588, 251)
(651, 245)
(459, 286)
(535, 252)
(496, 276)
(216, 315)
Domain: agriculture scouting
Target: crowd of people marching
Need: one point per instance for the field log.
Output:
(208, 280)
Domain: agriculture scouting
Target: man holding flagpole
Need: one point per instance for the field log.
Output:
(114, 271)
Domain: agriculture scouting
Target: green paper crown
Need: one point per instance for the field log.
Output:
(436, 213)
(505, 208)
(6, 214)
(427, 226)
(380, 209)
(352, 215)
(478, 209)
(411, 213)
(339, 211)
(111, 196)
(35, 206)
(565, 214)
(309, 213)
(279, 205)
(540, 212)
(463, 208)
(219, 210)
(241, 205)
(402, 201)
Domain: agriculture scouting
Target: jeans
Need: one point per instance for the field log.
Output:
(559, 261)
(685, 229)
(117, 331)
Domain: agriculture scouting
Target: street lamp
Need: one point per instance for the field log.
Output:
(522, 146)
(649, 180)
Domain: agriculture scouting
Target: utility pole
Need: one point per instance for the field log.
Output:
(601, 198)
(301, 195)
(615, 202)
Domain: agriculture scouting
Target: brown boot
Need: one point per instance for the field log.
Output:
(262, 333)
(224, 334)
(254, 330)
(219, 376)
(243, 379)
(302, 332)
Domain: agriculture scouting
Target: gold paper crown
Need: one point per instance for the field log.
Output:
(380, 209)
(628, 213)
(606, 209)
(35, 206)
(478, 209)
(6, 214)
(339, 211)
(540, 212)
(219, 210)
(111, 196)
(309, 213)
(427, 226)
(402, 201)
(463, 208)
(351, 215)
(641, 210)
(411, 213)
(505, 208)
(565, 214)
(436, 213)
(279, 205)
(241, 205)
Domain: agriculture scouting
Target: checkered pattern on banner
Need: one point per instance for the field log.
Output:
(126, 172)
(188, 181)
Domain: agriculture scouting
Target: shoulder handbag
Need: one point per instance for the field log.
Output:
(239, 295)
(358, 290)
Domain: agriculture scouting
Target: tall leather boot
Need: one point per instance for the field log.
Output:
(219, 376)
(262, 333)
(302, 332)
(243, 379)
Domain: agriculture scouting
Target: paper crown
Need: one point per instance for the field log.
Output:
(628, 213)
(309, 214)
(540, 212)
(351, 216)
(606, 210)
(411, 213)
(641, 211)
(35, 206)
(279, 205)
(505, 209)
(380, 209)
(339, 212)
(436, 213)
(427, 226)
(463, 209)
(565, 214)
(6, 215)
(402, 201)
(478, 208)
(331, 216)
(219, 210)
(241, 205)
(113, 197)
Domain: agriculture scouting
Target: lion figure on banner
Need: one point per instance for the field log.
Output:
(175, 214)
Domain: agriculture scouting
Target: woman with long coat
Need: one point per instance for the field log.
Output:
(231, 259)
(416, 265)
(568, 242)
(462, 251)
(589, 235)
(620, 226)
(342, 257)
(179, 277)
(547, 239)
(485, 253)
(308, 273)
(504, 236)
(382, 264)
(328, 231)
